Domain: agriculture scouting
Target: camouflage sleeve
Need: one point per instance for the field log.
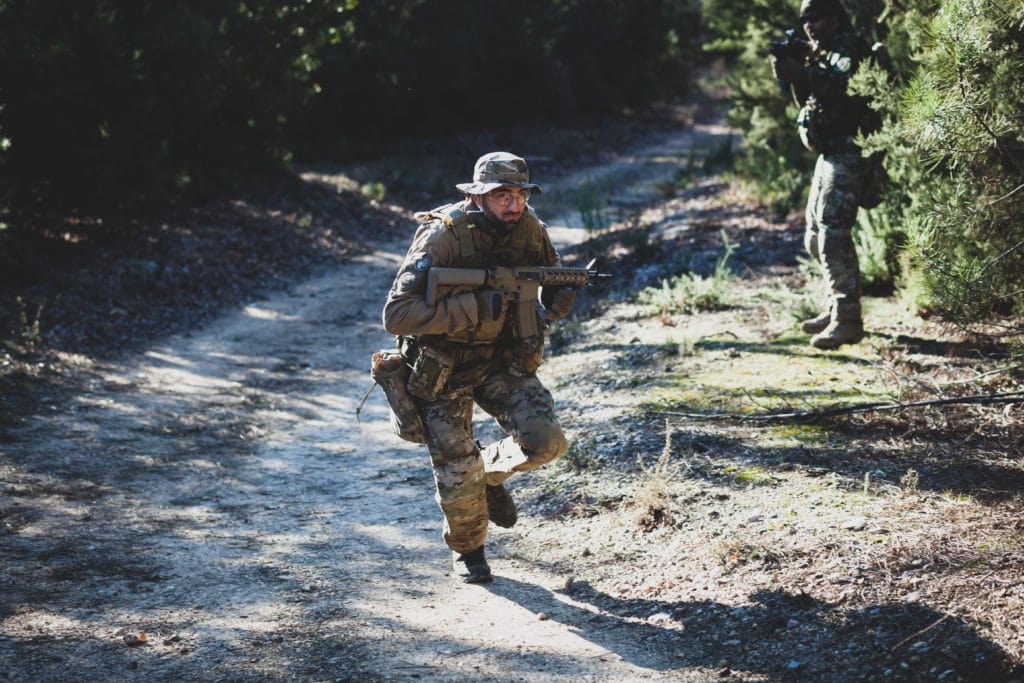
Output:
(406, 311)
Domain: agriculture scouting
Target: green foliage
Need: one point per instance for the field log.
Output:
(962, 114)
(440, 66)
(770, 155)
(951, 103)
(119, 104)
(374, 191)
(581, 455)
(815, 297)
(689, 292)
(879, 244)
(28, 329)
(112, 103)
(592, 203)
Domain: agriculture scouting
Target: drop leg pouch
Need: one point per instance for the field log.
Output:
(392, 374)
(430, 372)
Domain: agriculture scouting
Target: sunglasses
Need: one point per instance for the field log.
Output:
(505, 197)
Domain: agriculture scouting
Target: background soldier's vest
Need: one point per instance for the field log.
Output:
(829, 120)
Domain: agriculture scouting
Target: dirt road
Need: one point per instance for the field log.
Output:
(216, 497)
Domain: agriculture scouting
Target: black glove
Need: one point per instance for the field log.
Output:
(557, 301)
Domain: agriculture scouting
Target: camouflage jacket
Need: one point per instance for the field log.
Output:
(830, 117)
(459, 236)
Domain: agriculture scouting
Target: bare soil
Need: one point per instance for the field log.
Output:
(186, 492)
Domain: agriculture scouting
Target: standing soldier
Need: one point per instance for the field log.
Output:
(462, 349)
(828, 123)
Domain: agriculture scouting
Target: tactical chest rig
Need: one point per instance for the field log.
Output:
(435, 357)
(525, 246)
(422, 366)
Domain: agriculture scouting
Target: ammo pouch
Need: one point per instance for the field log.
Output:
(809, 126)
(392, 374)
(430, 372)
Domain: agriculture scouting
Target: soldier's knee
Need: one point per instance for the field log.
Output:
(552, 445)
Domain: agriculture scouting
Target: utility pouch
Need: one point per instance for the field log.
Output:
(811, 126)
(430, 372)
(389, 370)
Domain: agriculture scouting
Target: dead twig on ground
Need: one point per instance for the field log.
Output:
(918, 633)
(1006, 397)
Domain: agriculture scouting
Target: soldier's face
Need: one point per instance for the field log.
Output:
(820, 30)
(503, 205)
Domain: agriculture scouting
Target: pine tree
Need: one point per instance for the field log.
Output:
(963, 113)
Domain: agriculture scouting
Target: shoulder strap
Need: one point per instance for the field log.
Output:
(458, 222)
(455, 218)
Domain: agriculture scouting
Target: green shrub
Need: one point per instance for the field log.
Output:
(592, 203)
(690, 292)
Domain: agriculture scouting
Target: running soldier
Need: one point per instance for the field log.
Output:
(463, 349)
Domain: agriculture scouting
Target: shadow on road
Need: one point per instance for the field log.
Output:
(776, 634)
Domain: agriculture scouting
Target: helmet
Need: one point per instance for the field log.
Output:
(499, 169)
(821, 8)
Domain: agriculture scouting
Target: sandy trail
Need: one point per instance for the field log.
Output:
(218, 494)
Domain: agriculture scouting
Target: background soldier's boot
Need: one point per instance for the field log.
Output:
(846, 328)
(472, 566)
(501, 509)
(816, 325)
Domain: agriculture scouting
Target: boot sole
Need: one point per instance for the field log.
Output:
(834, 344)
(502, 499)
(476, 574)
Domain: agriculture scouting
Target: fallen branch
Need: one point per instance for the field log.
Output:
(1007, 397)
(919, 633)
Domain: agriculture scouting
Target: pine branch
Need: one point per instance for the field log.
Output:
(1005, 196)
(1009, 160)
(878, 406)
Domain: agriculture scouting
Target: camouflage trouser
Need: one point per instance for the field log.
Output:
(525, 411)
(831, 214)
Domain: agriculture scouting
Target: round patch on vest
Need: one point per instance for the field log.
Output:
(422, 263)
(407, 281)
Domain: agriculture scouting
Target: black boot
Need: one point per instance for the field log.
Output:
(501, 509)
(846, 327)
(472, 566)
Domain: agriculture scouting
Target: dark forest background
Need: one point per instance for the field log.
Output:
(124, 106)
(114, 103)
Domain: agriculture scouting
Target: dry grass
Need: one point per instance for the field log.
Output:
(891, 539)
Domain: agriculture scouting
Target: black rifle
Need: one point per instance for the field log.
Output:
(794, 47)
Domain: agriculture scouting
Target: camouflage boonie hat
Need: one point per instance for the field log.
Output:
(499, 169)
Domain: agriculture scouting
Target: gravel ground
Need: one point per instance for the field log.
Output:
(180, 459)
